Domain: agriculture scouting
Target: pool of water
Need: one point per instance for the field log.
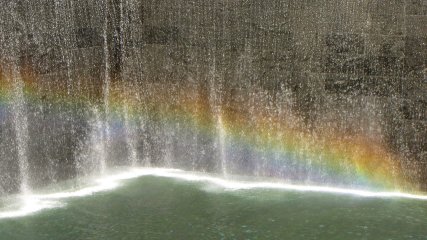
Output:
(159, 207)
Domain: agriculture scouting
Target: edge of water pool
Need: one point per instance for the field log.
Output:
(29, 204)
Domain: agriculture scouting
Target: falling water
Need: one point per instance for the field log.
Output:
(19, 112)
(106, 86)
(99, 142)
(215, 102)
(221, 140)
(257, 57)
(168, 154)
(93, 156)
(146, 159)
(130, 138)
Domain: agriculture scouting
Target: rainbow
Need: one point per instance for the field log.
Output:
(250, 122)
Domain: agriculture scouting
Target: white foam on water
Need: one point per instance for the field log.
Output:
(240, 185)
(27, 206)
(30, 204)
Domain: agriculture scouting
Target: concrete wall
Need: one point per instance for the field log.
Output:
(360, 66)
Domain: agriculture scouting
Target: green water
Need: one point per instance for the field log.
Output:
(161, 208)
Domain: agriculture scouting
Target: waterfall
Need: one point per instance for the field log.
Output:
(168, 155)
(92, 157)
(146, 158)
(222, 146)
(215, 100)
(98, 145)
(130, 138)
(221, 86)
(19, 112)
(106, 88)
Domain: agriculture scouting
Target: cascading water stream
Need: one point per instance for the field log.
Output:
(222, 145)
(215, 101)
(146, 159)
(130, 138)
(92, 158)
(20, 119)
(168, 155)
(106, 88)
(98, 145)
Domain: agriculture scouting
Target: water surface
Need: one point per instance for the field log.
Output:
(153, 207)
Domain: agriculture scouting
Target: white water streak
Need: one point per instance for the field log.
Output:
(130, 138)
(222, 145)
(19, 112)
(98, 148)
(107, 79)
